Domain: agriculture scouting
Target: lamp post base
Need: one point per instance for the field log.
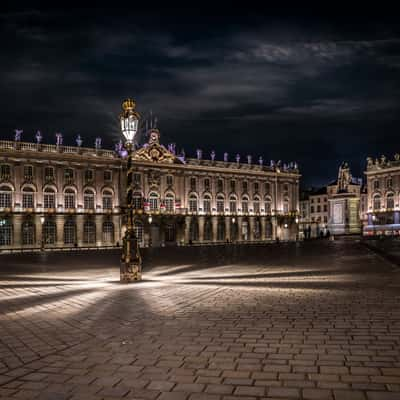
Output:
(130, 272)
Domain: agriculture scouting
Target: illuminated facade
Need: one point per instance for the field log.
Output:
(55, 196)
(383, 187)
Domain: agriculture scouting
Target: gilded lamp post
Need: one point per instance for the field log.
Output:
(131, 262)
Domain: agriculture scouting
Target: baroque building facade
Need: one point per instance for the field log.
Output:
(55, 196)
(383, 204)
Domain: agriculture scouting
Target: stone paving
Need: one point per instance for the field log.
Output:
(316, 320)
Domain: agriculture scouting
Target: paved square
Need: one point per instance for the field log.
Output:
(316, 320)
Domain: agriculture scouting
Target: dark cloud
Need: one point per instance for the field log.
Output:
(317, 91)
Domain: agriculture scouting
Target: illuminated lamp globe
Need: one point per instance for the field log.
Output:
(129, 119)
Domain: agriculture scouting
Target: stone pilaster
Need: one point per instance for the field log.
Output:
(263, 224)
(239, 228)
(251, 228)
(201, 228)
(228, 228)
(80, 218)
(38, 230)
(17, 229)
(99, 230)
(187, 227)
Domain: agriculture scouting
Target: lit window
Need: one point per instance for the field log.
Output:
(28, 233)
(169, 202)
(49, 232)
(192, 203)
(28, 172)
(68, 175)
(5, 197)
(88, 200)
(377, 202)
(268, 203)
(153, 201)
(220, 204)
(89, 232)
(245, 204)
(390, 201)
(6, 232)
(207, 204)
(28, 198)
(89, 175)
(108, 232)
(137, 201)
(69, 198)
(49, 198)
(256, 205)
(107, 200)
(5, 172)
(69, 232)
(49, 174)
(232, 204)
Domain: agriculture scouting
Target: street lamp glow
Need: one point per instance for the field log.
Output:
(42, 220)
(286, 225)
(233, 220)
(150, 219)
(129, 120)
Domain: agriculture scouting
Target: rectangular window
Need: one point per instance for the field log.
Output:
(312, 209)
(69, 175)
(5, 198)
(244, 186)
(325, 208)
(220, 185)
(376, 184)
(389, 183)
(256, 187)
(267, 188)
(28, 172)
(49, 174)
(233, 186)
(89, 175)
(137, 179)
(107, 202)
(207, 184)
(170, 180)
(5, 172)
(107, 176)
(193, 184)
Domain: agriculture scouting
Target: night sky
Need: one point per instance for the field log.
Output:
(296, 88)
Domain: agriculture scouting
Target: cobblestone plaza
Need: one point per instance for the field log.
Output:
(317, 320)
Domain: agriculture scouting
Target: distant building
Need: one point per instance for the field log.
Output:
(344, 203)
(382, 205)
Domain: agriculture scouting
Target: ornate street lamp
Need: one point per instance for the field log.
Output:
(131, 262)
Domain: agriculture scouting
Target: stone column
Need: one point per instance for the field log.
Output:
(214, 222)
(228, 228)
(263, 225)
(38, 230)
(17, 230)
(239, 228)
(79, 229)
(117, 229)
(251, 228)
(200, 220)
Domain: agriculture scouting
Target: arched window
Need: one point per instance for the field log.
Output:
(169, 202)
(5, 197)
(245, 204)
(69, 231)
(28, 197)
(153, 201)
(49, 234)
(137, 201)
(138, 228)
(221, 229)
(377, 202)
(193, 230)
(108, 232)
(207, 230)
(220, 203)
(286, 205)
(267, 205)
(49, 198)
(6, 232)
(390, 201)
(256, 205)
(232, 204)
(193, 203)
(88, 199)
(89, 232)
(69, 198)
(107, 200)
(28, 233)
(207, 203)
